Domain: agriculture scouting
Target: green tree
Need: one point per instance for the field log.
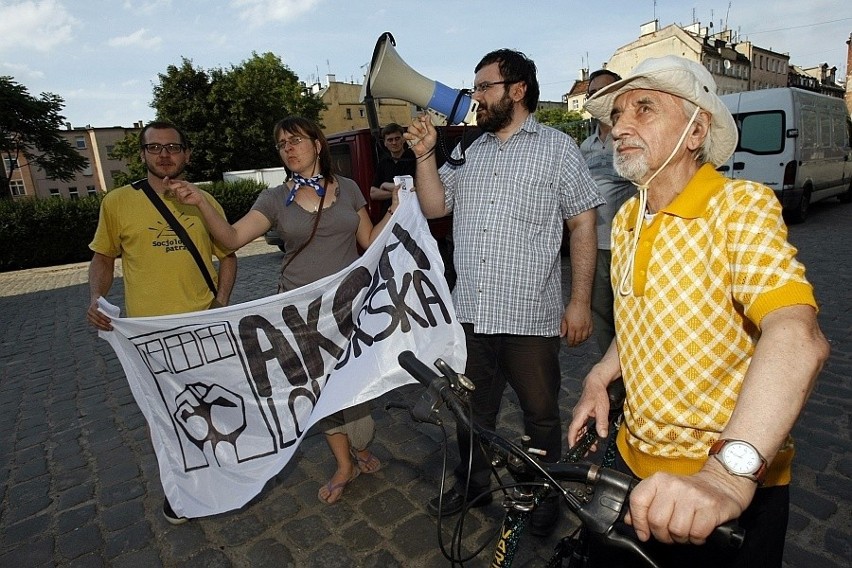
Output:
(249, 99)
(569, 121)
(228, 114)
(555, 115)
(29, 134)
(128, 149)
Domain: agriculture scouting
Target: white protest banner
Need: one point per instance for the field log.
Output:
(229, 393)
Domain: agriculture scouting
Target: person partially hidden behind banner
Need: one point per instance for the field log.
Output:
(160, 275)
(521, 185)
(716, 332)
(400, 161)
(322, 218)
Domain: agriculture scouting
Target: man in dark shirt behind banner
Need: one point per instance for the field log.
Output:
(399, 162)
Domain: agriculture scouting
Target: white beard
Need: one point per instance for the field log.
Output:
(633, 168)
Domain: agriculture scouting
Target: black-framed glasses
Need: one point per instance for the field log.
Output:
(158, 148)
(292, 141)
(485, 85)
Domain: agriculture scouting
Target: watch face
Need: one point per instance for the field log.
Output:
(740, 458)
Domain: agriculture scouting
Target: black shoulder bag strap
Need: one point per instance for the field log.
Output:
(179, 230)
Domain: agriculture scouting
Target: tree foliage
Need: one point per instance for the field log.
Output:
(569, 121)
(128, 149)
(228, 113)
(29, 134)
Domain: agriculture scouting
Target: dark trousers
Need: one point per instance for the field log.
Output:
(765, 523)
(530, 365)
(602, 302)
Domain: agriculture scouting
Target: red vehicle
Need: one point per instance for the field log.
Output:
(355, 154)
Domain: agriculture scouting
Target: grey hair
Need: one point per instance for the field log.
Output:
(702, 152)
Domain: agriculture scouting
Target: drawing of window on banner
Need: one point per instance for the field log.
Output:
(214, 424)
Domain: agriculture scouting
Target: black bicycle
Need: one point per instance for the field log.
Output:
(599, 504)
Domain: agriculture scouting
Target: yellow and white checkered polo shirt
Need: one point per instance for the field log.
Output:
(707, 269)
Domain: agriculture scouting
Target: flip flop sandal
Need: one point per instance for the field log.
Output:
(335, 490)
(370, 465)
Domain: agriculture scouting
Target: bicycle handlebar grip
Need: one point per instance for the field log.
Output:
(727, 535)
(416, 368)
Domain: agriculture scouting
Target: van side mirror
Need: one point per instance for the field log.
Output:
(792, 133)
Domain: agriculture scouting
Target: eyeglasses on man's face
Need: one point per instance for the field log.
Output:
(293, 141)
(485, 85)
(158, 148)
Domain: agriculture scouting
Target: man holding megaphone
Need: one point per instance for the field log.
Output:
(509, 198)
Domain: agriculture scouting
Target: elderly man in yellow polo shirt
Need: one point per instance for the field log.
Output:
(716, 332)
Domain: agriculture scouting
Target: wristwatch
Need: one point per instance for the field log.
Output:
(740, 458)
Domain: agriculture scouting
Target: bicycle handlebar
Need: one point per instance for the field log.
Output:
(600, 514)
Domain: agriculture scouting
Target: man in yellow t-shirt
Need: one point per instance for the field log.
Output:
(716, 333)
(160, 275)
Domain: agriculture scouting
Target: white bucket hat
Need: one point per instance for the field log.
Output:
(685, 79)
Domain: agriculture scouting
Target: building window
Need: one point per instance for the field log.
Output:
(11, 164)
(87, 171)
(81, 142)
(362, 113)
(54, 192)
(109, 149)
(72, 193)
(90, 189)
(17, 187)
(349, 114)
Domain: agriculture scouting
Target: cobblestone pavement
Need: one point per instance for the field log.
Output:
(79, 484)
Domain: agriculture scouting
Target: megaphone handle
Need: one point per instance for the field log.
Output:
(376, 49)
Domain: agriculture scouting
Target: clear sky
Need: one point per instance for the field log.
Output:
(103, 56)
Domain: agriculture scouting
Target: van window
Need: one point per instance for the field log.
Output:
(848, 133)
(761, 132)
(839, 136)
(341, 158)
(808, 129)
(825, 130)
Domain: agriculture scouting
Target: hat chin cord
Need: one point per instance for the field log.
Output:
(624, 286)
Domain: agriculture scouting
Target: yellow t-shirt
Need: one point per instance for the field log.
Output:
(707, 269)
(160, 275)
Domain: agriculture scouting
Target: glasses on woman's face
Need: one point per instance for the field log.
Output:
(293, 141)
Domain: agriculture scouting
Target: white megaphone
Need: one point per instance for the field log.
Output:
(391, 78)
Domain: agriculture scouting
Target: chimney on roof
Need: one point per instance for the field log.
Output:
(67, 126)
(329, 79)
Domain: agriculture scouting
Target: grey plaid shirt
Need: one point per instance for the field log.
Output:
(509, 203)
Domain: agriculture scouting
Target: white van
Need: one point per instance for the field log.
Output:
(797, 142)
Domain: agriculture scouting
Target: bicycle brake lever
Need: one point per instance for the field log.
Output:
(618, 540)
(445, 369)
(458, 381)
